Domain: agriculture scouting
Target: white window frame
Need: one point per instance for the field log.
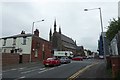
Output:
(4, 44)
(24, 40)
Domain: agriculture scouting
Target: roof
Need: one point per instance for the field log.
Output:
(18, 35)
(72, 47)
(67, 39)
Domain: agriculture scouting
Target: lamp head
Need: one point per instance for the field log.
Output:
(85, 9)
(43, 20)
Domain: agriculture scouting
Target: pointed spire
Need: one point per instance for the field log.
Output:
(59, 29)
(75, 41)
(50, 32)
(55, 25)
(50, 35)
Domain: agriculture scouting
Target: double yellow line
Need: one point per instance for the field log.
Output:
(74, 76)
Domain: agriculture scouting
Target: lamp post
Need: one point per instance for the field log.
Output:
(100, 16)
(32, 35)
(34, 23)
(101, 29)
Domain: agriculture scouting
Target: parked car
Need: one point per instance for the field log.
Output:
(65, 60)
(51, 62)
(78, 58)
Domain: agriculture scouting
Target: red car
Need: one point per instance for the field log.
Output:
(77, 58)
(51, 62)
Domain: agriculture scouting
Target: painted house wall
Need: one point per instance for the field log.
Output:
(26, 49)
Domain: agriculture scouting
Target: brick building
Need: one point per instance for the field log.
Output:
(24, 48)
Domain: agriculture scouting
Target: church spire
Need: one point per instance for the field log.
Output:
(55, 26)
(50, 35)
(59, 29)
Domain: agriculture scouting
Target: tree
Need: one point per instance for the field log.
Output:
(113, 28)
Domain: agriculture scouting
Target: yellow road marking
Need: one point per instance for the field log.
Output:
(74, 76)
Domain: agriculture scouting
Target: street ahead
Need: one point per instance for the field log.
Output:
(63, 71)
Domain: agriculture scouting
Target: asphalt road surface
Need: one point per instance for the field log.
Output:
(39, 71)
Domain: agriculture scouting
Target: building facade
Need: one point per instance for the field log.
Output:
(60, 42)
(100, 46)
(115, 45)
(24, 48)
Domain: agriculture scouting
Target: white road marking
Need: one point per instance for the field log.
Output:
(9, 70)
(0, 74)
(42, 68)
(43, 71)
(51, 68)
(22, 68)
(29, 71)
(33, 67)
(62, 65)
(22, 77)
(46, 70)
(13, 69)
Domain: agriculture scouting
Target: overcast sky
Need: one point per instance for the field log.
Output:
(82, 26)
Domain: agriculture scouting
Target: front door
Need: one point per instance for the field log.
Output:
(20, 58)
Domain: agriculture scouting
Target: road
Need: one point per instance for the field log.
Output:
(39, 71)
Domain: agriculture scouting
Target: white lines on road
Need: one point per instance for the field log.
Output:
(28, 71)
(13, 69)
(0, 74)
(43, 71)
(42, 68)
(9, 70)
(32, 70)
(20, 78)
(46, 70)
(22, 68)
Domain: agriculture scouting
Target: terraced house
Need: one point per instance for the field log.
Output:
(22, 48)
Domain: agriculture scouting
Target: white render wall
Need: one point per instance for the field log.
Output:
(26, 49)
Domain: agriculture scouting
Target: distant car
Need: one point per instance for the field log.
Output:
(78, 58)
(51, 62)
(65, 60)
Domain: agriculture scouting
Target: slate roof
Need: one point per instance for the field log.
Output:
(19, 35)
(67, 39)
(71, 44)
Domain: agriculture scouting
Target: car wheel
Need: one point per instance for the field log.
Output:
(45, 65)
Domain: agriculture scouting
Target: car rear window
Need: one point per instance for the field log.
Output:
(49, 58)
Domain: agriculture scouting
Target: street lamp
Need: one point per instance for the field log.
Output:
(34, 23)
(101, 27)
(32, 34)
(100, 16)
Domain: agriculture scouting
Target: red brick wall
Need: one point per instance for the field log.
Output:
(25, 58)
(13, 58)
(37, 43)
(10, 58)
(115, 61)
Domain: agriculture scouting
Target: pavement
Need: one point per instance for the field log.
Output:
(95, 72)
